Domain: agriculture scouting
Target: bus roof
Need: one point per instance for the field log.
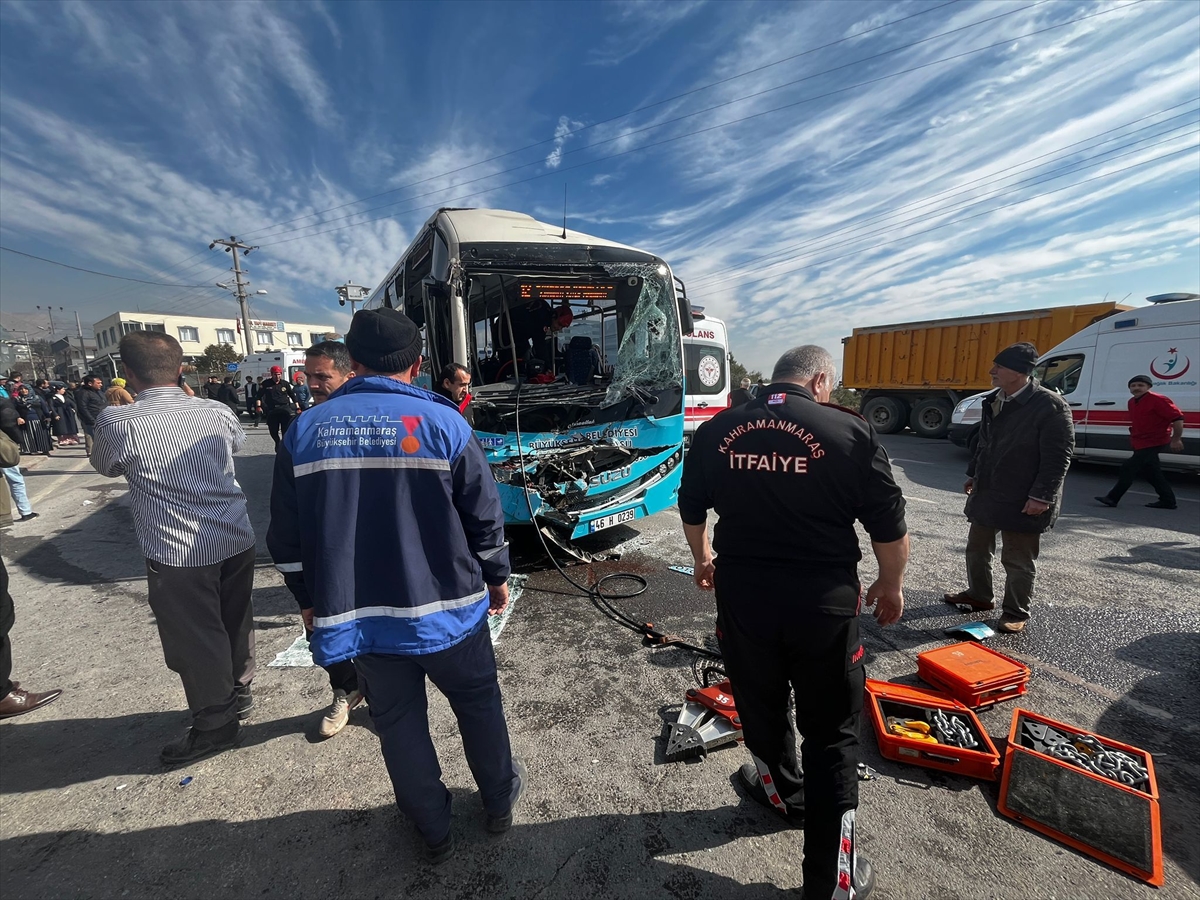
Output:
(498, 226)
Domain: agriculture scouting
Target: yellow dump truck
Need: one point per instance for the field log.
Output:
(915, 373)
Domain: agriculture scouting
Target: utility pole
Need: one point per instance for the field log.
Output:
(351, 293)
(82, 345)
(233, 245)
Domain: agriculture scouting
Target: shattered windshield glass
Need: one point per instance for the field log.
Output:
(650, 351)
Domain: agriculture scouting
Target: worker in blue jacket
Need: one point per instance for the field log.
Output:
(387, 526)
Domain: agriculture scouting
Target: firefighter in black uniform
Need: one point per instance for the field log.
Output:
(279, 403)
(788, 475)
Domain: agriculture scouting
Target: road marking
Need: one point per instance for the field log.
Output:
(919, 499)
(50, 488)
(918, 462)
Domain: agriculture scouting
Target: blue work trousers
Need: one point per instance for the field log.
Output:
(16, 486)
(395, 691)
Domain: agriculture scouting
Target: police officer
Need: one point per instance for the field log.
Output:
(788, 475)
(279, 403)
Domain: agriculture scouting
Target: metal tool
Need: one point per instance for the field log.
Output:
(952, 730)
(1085, 751)
(707, 720)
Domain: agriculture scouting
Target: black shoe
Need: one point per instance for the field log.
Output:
(1106, 500)
(864, 881)
(748, 776)
(199, 744)
(439, 853)
(1157, 504)
(245, 702)
(28, 517)
(501, 824)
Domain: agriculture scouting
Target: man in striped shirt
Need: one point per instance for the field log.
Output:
(190, 517)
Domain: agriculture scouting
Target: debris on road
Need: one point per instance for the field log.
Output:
(297, 656)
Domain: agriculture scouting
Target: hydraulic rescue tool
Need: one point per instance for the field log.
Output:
(707, 720)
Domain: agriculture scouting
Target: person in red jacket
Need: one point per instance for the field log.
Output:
(1157, 425)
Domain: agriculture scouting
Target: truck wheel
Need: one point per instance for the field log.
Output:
(931, 418)
(885, 414)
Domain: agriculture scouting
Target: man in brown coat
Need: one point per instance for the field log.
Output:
(1014, 484)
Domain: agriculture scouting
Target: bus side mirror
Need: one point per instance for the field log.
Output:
(686, 323)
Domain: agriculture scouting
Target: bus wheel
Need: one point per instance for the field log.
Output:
(931, 418)
(885, 414)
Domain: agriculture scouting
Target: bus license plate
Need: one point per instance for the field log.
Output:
(603, 522)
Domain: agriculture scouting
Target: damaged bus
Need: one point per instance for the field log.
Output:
(575, 348)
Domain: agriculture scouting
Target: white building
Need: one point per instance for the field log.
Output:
(195, 333)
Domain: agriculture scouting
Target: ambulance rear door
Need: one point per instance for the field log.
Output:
(706, 372)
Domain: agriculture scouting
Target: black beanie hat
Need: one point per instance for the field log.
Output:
(384, 339)
(1020, 357)
(1144, 379)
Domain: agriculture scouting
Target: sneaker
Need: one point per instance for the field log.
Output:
(245, 702)
(1011, 625)
(962, 598)
(338, 713)
(439, 853)
(501, 824)
(1106, 500)
(31, 515)
(199, 744)
(1157, 504)
(748, 776)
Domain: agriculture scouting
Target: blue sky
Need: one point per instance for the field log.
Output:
(1053, 161)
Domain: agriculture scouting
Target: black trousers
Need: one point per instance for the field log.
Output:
(252, 411)
(278, 421)
(8, 617)
(1144, 462)
(206, 624)
(786, 630)
(466, 674)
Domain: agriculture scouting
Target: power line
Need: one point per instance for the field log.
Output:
(259, 231)
(715, 276)
(672, 139)
(55, 262)
(958, 221)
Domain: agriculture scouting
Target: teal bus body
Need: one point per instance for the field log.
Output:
(592, 436)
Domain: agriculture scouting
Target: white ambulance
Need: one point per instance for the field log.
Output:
(291, 361)
(706, 371)
(1092, 369)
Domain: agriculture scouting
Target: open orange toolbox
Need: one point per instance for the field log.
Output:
(973, 674)
(1111, 821)
(885, 698)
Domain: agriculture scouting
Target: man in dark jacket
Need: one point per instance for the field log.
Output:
(89, 401)
(1014, 484)
(251, 395)
(740, 395)
(407, 597)
(788, 475)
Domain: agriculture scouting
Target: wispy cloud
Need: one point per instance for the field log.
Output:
(562, 132)
(636, 24)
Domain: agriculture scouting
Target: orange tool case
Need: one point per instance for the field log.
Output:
(973, 674)
(885, 699)
(1114, 822)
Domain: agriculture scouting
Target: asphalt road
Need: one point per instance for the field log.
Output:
(86, 810)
